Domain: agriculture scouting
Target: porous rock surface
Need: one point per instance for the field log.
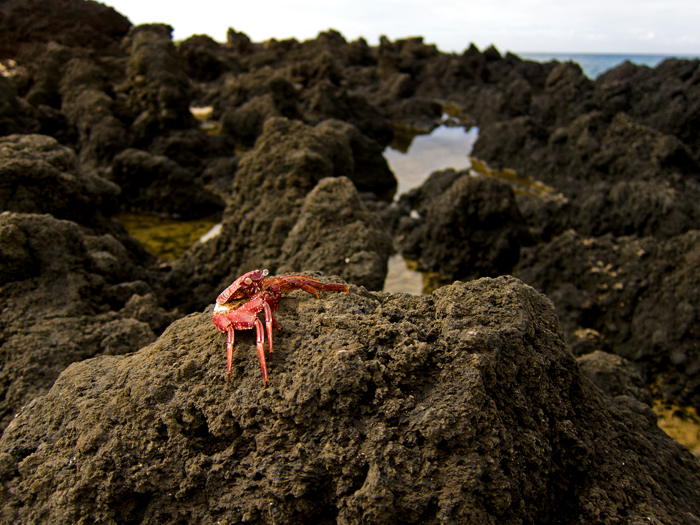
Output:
(336, 233)
(27, 24)
(635, 297)
(38, 175)
(265, 205)
(465, 406)
(65, 297)
(467, 226)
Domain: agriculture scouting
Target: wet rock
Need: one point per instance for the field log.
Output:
(469, 227)
(156, 184)
(53, 313)
(38, 175)
(634, 297)
(336, 234)
(460, 406)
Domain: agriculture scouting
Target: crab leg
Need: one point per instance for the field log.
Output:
(259, 341)
(269, 318)
(229, 352)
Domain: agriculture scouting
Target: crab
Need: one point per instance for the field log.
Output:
(238, 306)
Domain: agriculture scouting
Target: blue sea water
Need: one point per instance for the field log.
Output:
(594, 65)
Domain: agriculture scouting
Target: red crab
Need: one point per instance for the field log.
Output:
(261, 296)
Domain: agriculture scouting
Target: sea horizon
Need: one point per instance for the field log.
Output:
(595, 64)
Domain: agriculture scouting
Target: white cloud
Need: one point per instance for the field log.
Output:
(643, 26)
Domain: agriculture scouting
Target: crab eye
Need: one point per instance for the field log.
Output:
(265, 272)
(248, 281)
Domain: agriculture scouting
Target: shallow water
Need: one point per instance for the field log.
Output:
(166, 238)
(445, 147)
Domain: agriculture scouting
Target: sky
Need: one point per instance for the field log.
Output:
(667, 27)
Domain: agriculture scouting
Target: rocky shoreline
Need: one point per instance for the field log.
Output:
(520, 395)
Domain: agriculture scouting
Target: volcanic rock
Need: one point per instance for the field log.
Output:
(38, 175)
(56, 286)
(156, 84)
(634, 297)
(16, 116)
(28, 24)
(469, 227)
(336, 234)
(269, 191)
(156, 184)
(463, 406)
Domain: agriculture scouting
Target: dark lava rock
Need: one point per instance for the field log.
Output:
(620, 177)
(204, 58)
(249, 99)
(156, 184)
(634, 297)
(325, 101)
(464, 406)
(88, 108)
(156, 84)
(269, 191)
(46, 80)
(469, 227)
(16, 116)
(666, 98)
(60, 300)
(615, 376)
(336, 234)
(38, 175)
(29, 24)
(245, 122)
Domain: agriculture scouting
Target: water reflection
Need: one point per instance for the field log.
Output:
(445, 147)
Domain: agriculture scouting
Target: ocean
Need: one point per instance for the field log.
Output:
(594, 65)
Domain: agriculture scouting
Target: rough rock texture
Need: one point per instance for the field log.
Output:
(615, 376)
(25, 24)
(635, 297)
(460, 407)
(465, 406)
(620, 173)
(156, 83)
(156, 184)
(336, 233)
(38, 175)
(467, 226)
(16, 116)
(61, 293)
(89, 105)
(269, 191)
